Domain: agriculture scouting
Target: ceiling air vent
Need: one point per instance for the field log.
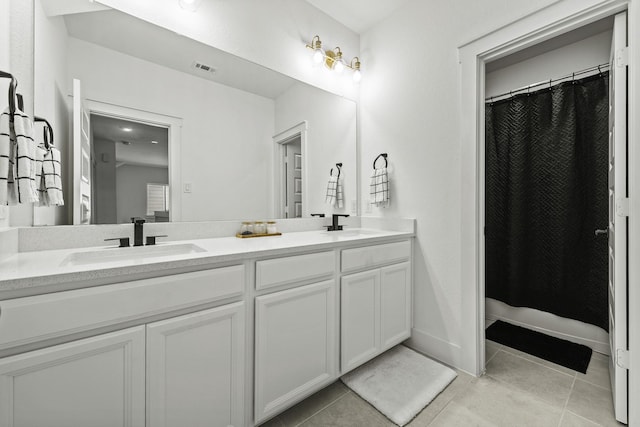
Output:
(203, 67)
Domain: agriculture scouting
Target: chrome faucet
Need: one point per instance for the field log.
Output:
(334, 222)
(138, 223)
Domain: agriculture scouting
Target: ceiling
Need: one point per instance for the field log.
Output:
(133, 146)
(358, 15)
(126, 34)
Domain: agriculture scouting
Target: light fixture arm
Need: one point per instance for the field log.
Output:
(355, 63)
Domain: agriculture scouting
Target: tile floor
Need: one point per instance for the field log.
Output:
(518, 390)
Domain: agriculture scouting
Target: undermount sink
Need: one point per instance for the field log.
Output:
(138, 253)
(352, 233)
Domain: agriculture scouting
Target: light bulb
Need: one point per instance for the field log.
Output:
(338, 66)
(318, 56)
(357, 76)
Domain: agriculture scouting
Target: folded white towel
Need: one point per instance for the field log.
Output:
(5, 151)
(379, 188)
(49, 176)
(335, 195)
(21, 168)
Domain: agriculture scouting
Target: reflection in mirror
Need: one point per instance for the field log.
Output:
(130, 171)
(227, 164)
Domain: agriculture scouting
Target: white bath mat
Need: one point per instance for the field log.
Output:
(399, 383)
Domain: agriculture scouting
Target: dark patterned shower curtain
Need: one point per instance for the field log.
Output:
(546, 194)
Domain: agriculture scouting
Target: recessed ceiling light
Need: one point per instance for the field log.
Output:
(126, 129)
(154, 142)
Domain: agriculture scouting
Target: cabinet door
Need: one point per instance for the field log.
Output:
(395, 304)
(360, 318)
(97, 381)
(195, 366)
(295, 350)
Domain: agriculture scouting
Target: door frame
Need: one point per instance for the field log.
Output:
(549, 22)
(280, 140)
(174, 128)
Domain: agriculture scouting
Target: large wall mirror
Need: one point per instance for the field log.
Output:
(156, 125)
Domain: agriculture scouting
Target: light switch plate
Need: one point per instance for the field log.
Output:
(187, 187)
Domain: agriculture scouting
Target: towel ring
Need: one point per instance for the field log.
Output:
(339, 166)
(383, 155)
(48, 131)
(12, 92)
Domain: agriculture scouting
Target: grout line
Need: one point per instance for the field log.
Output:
(491, 358)
(323, 408)
(439, 412)
(564, 408)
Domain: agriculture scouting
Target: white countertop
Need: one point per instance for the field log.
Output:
(30, 273)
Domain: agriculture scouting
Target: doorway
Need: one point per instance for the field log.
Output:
(532, 30)
(83, 172)
(290, 183)
(293, 178)
(130, 170)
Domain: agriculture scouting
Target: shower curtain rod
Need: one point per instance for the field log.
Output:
(549, 82)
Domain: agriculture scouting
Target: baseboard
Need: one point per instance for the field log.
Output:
(434, 347)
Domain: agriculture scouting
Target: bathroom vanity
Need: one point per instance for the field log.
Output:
(218, 331)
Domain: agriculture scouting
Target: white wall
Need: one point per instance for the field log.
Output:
(331, 132)
(557, 63)
(50, 102)
(409, 107)
(226, 133)
(269, 33)
(131, 189)
(5, 46)
(104, 209)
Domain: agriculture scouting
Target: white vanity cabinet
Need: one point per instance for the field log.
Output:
(184, 370)
(375, 303)
(195, 369)
(98, 382)
(295, 350)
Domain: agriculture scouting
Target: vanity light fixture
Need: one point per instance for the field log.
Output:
(333, 59)
(190, 5)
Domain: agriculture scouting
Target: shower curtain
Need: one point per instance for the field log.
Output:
(546, 194)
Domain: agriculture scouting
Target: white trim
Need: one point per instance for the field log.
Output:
(280, 139)
(547, 23)
(174, 126)
(443, 351)
(633, 135)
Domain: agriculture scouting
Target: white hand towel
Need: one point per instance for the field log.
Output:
(51, 180)
(335, 195)
(379, 188)
(21, 177)
(5, 152)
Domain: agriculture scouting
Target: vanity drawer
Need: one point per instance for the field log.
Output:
(36, 318)
(287, 270)
(371, 256)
